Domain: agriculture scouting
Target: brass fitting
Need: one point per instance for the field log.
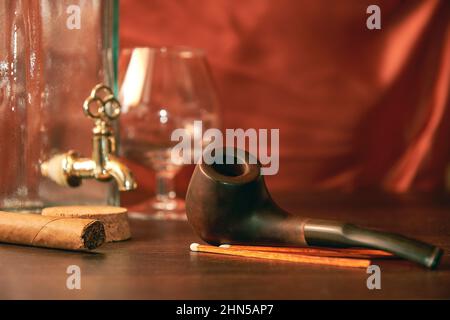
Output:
(69, 169)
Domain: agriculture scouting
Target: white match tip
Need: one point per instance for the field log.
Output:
(225, 246)
(194, 247)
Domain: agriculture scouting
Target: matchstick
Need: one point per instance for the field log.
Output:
(322, 252)
(338, 262)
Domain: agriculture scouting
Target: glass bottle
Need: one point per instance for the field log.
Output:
(52, 53)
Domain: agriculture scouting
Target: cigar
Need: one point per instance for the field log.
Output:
(51, 232)
(329, 261)
(114, 219)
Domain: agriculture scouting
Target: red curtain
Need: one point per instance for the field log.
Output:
(356, 108)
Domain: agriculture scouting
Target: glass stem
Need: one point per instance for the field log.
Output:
(165, 187)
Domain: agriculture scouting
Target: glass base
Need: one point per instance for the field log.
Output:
(155, 209)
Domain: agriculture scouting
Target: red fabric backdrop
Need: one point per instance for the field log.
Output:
(356, 108)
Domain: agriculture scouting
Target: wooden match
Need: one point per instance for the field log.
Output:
(330, 261)
(322, 252)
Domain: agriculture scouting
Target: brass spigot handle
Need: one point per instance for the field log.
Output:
(69, 169)
(102, 105)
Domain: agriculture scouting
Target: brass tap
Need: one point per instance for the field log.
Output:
(69, 169)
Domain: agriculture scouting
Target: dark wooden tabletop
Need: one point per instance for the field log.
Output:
(157, 264)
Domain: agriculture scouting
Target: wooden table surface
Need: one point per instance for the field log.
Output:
(157, 264)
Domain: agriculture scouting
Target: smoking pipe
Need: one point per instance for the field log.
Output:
(229, 204)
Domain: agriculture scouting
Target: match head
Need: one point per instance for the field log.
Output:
(194, 247)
